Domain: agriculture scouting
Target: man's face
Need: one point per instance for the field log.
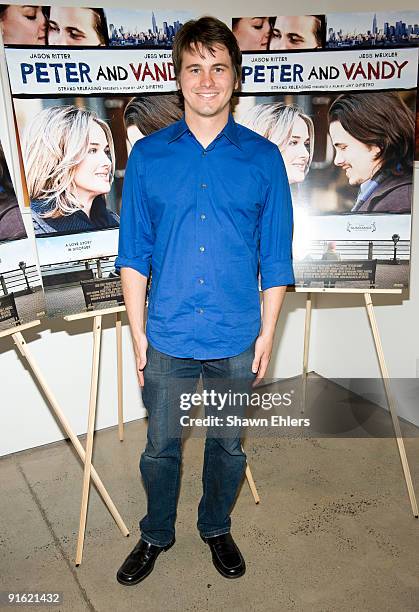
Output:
(356, 158)
(207, 81)
(294, 33)
(72, 26)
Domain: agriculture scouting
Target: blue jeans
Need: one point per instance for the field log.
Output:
(160, 464)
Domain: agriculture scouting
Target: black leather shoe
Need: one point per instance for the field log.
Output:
(226, 556)
(140, 562)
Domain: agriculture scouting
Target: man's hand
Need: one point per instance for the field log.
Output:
(263, 350)
(134, 287)
(140, 350)
(271, 305)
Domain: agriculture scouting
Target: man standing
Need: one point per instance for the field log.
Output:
(206, 202)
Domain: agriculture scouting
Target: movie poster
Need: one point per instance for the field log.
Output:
(351, 229)
(390, 29)
(330, 113)
(79, 110)
(21, 297)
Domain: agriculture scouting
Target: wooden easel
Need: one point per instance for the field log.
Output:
(16, 332)
(383, 368)
(97, 316)
(118, 329)
(251, 484)
(20, 343)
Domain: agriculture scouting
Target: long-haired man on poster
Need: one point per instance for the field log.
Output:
(373, 136)
(207, 204)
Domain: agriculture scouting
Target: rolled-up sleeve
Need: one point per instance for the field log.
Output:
(135, 231)
(276, 225)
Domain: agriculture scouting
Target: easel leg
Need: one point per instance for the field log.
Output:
(307, 326)
(391, 405)
(251, 484)
(24, 351)
(97, 332)
(118, 328)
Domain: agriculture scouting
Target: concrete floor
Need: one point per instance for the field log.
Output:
(333, 532)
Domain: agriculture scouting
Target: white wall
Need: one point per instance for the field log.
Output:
(341, 344)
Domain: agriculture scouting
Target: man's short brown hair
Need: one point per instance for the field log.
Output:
(210, 33)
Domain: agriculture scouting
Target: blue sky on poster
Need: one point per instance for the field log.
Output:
(15, 251)
(360, 23)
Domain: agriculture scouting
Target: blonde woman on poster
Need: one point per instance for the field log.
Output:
(287, 126)
(69, 161)
(290, 129)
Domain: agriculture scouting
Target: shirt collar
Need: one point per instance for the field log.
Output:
(230, 130)
(178, 129)
(364, 187)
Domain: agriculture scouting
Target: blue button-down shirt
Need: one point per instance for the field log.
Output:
(206, 220)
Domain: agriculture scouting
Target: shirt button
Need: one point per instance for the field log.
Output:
(204, 185)
(203, 216)
(202, 249)
(204, 153)
(200, 311)
(201, 281)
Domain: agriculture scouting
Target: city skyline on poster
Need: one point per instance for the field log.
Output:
(372, 29)
(144, 28)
